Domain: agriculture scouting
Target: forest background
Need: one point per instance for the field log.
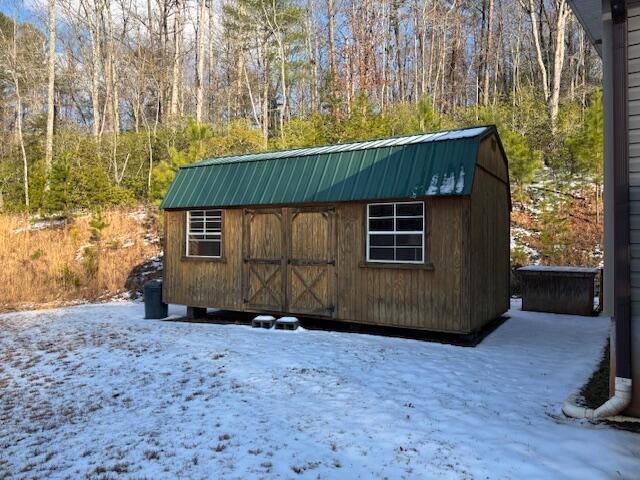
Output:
(102, 101)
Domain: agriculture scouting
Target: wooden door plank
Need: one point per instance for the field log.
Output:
(311, 264)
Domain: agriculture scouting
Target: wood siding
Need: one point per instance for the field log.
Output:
(311, 269)
(421, 298)
(491, 160)
(203, 283)
(489, 238)
(633, 98)
(264, 267)
(417, 298)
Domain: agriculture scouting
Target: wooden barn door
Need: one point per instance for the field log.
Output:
(311, 261)
(264, 259)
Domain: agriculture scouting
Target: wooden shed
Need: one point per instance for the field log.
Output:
(409, 232)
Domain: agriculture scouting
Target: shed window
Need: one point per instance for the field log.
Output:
(395, 232)
(204, 233)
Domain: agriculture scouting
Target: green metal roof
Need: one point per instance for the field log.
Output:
(431, 164)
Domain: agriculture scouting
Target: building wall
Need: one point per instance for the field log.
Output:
(633, 112)
(418, 298)
(421, 298)
(489, 237)
(199, 282)
(608, 199)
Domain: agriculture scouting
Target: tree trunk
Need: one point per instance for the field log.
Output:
(51, 71)
(200, 59)
(113, 99)
(94, 35)
(272, 20)
(211, 79)
(432, 44)
(313, 64)
(16, 82)
(418, 42)
(265, 102)
(25, 165)
(283, 80)
(254, 109)
(558, 60)
(177, 51)
(536, 42)
(384, 89)
(395, 20)
(331, 26)
(487, 55)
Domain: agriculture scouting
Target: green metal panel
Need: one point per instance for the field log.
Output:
(433, 164)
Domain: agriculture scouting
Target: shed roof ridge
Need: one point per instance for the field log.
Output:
(308, 151)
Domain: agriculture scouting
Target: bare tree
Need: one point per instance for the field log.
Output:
(212, 64)
(557, 31)
(51, 71)
(176, 75)
(200, 34)
(487, 55)
(11, 59)
(562, 12)
(331, 27)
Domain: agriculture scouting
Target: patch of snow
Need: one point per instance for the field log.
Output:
(460, 182)
(448, 184)
(521, 232)
(518, 235)
(433, 186)
(96, 388)
(41, 225)
(150, 239)
(287, 320)
(140, 215)
(264, 317)
(81, 251)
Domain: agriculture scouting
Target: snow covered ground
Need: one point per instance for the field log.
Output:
(96, 391)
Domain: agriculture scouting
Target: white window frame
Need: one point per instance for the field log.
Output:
(211, 217)
(396, 232)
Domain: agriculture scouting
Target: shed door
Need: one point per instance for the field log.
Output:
(264, 262)
(311, 261)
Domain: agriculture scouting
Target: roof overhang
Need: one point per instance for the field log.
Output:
(589, 14)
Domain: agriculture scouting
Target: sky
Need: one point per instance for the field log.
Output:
(24, 11)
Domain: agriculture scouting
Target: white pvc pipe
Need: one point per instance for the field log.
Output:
(609, 409)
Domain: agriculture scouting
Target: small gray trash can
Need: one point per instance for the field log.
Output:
(154, 307)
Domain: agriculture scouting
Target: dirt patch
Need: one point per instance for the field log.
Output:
(596, 391)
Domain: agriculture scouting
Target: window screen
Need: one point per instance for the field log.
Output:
(395, 232)
(204, 233)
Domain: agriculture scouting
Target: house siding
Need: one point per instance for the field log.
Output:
(633, 113)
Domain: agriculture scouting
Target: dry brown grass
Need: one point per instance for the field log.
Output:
(51, 266)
